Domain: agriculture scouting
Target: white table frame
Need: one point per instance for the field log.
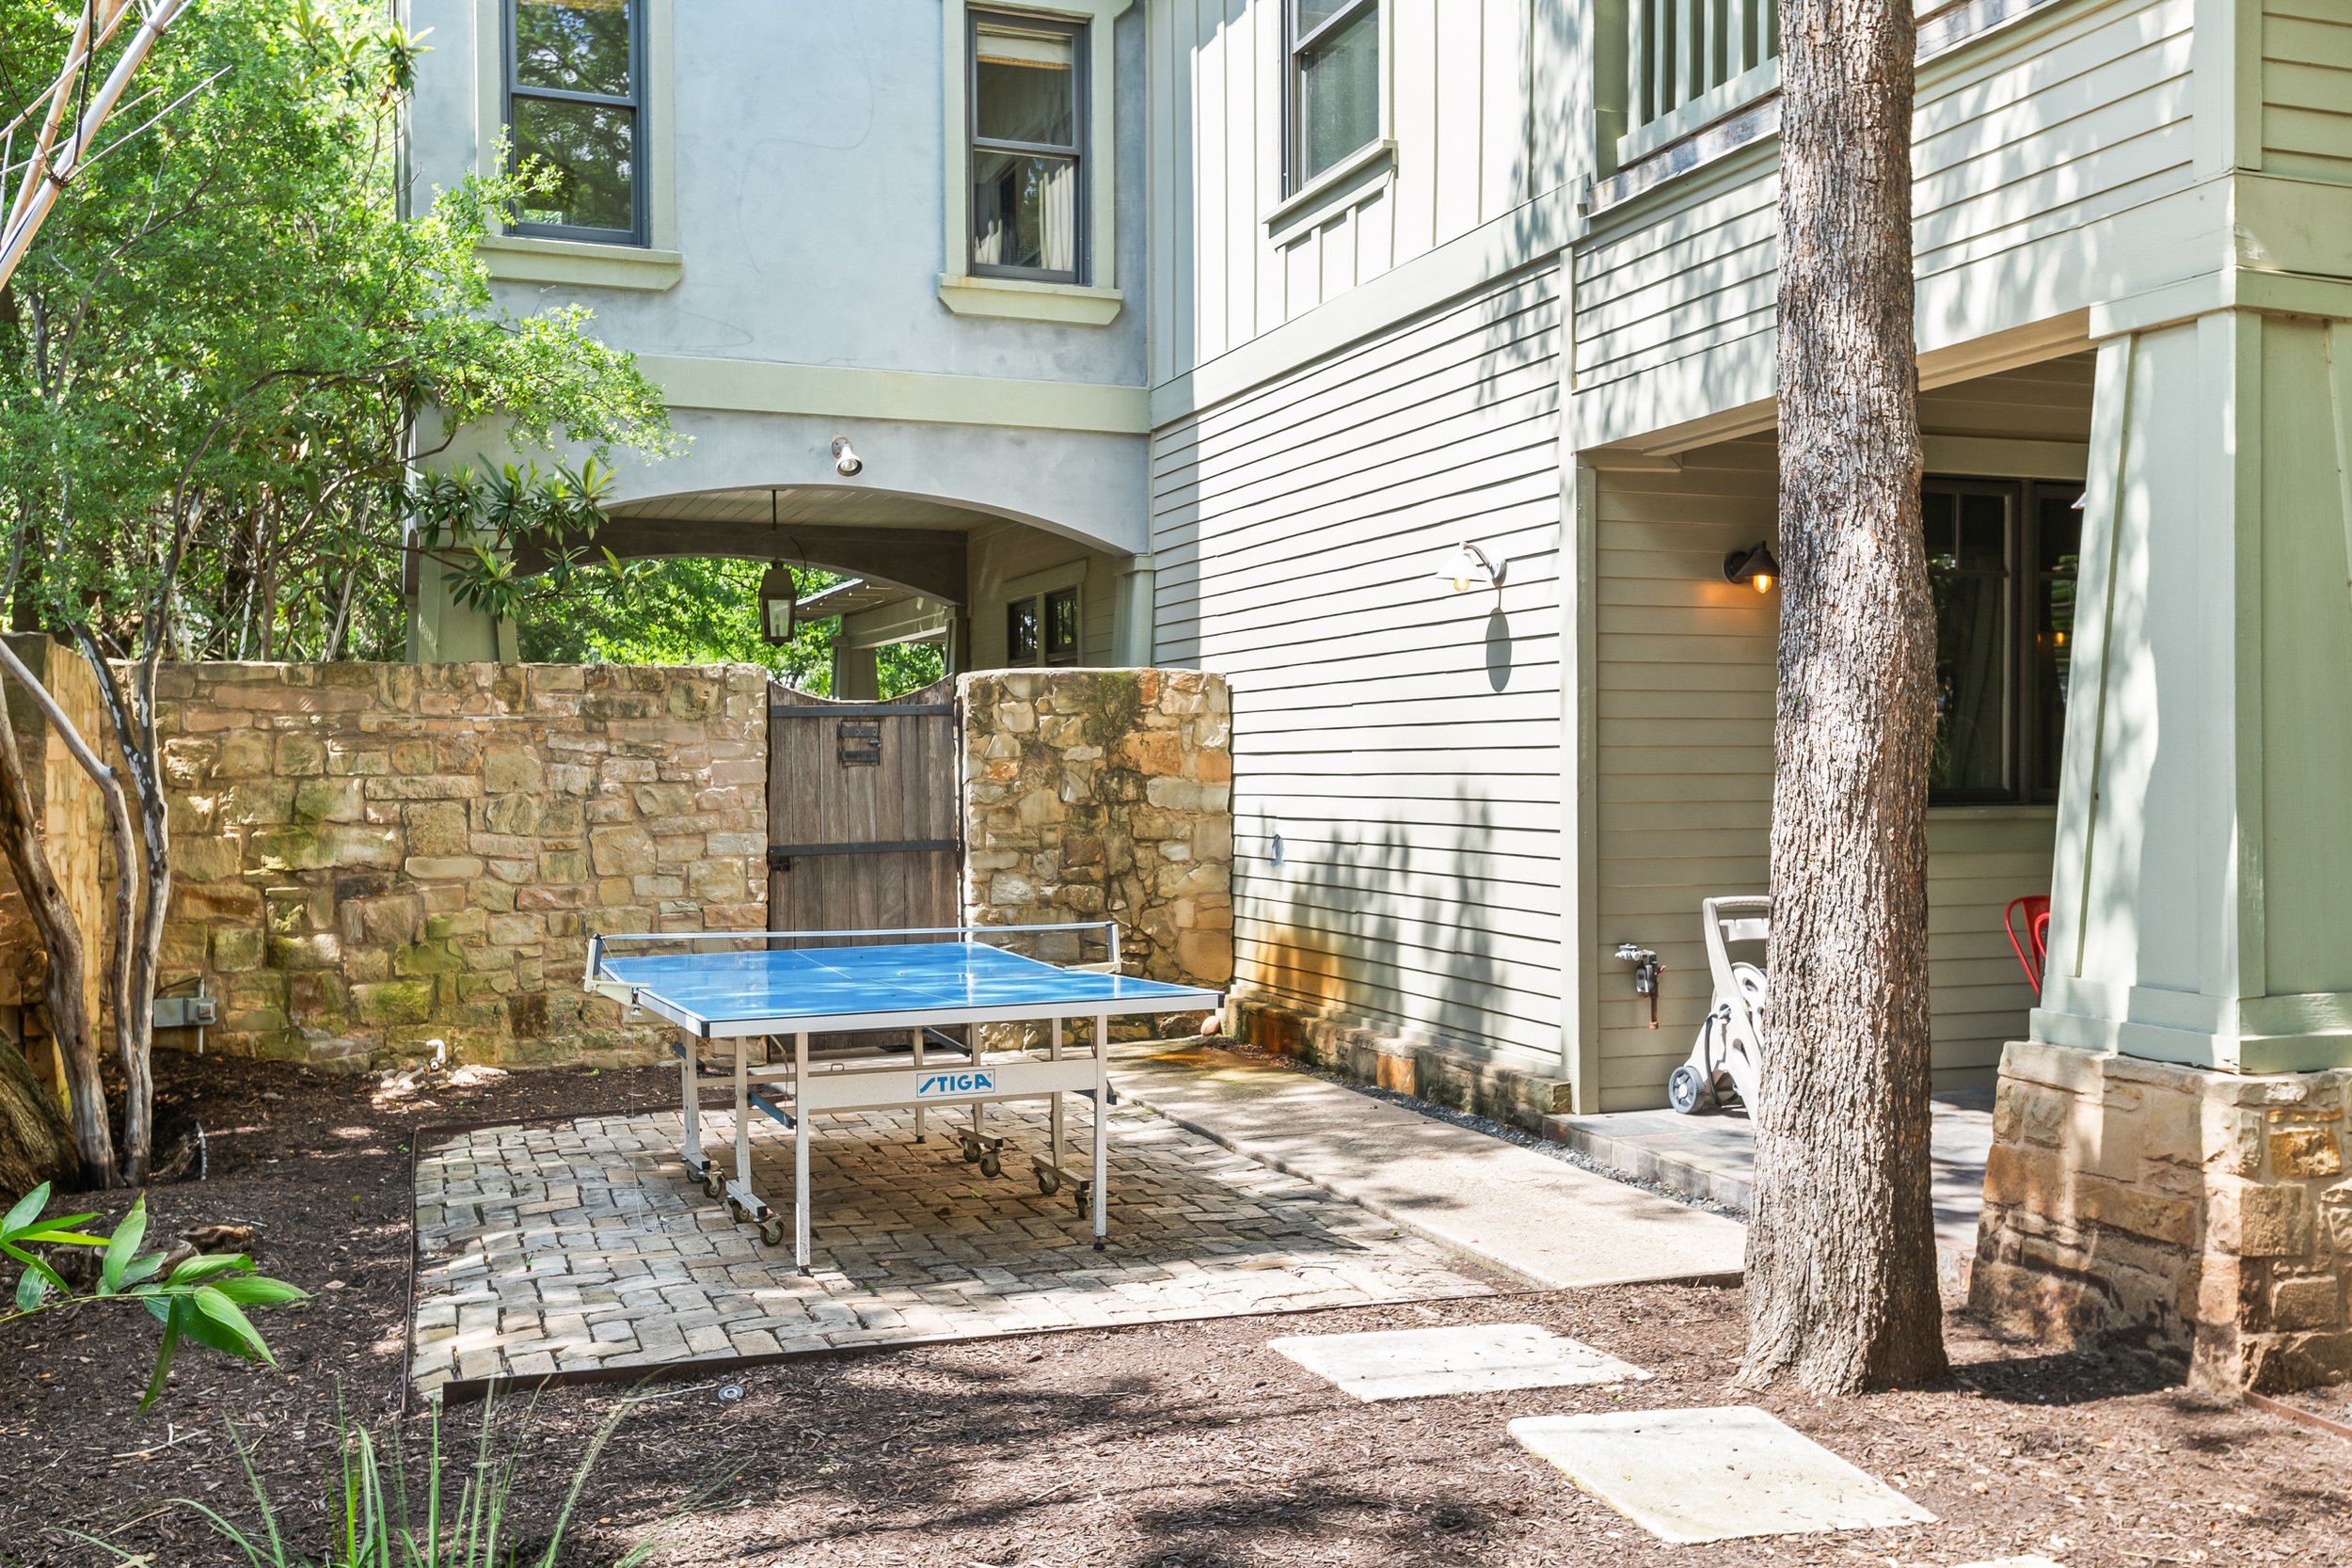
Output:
(816, 1084)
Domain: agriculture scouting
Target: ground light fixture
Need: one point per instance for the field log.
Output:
(1467, 566)
(1754, 566)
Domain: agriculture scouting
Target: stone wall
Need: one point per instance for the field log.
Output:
(372, 855)
(2190, 1214)
(1105, 794)
(73, 830)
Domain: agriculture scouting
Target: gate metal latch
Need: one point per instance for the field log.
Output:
(860, 743)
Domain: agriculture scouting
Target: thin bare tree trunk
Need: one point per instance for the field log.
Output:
(69, 1021)
(142, 943)
(1841, 1241)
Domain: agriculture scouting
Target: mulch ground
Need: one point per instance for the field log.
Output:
(1174, 1444)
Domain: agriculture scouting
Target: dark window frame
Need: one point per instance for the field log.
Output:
(634, 102)
(1047, 652)
(1035, 606)
(1082, 119)
(2022, 577)
(1294, 178)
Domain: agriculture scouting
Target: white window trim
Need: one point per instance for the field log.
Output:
(653, 267)
(1095, 302)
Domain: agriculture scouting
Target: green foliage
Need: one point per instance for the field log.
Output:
(203, 1298)
(226, 339)
(699, 610)
(481, 526)
(459, 1517)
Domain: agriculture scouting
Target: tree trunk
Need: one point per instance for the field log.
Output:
(36, 1145)
(61, 937)
(1841, 1240)
(139, 958)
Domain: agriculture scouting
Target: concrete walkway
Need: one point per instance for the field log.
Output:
(1534, 1218)
(1713, 1156)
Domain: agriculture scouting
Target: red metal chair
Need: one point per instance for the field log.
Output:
(2037, 908)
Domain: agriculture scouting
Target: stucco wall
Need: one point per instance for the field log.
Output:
(372, 855)
(1104, 794)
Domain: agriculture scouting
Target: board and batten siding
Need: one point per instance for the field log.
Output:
(1229, 261)
(2307, 88)
(1683, 696)
(1396, 745)
(2044, 154)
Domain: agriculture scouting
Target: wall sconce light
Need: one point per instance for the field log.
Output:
(1467, 566)
(1754, 566)
(845, 462)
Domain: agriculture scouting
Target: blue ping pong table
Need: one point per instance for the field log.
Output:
(903, 989)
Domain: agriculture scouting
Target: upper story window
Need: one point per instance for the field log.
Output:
(1333, 82)
(1028, 109)
(574, 91)
(2001, 565)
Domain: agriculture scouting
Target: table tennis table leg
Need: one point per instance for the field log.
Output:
(799, 1152)
(1102, 1139)
(922, 1115)
(744, 1125)
(1054, 1115)
(690, 1109)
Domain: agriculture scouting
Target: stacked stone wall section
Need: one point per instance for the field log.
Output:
(1103, 795)
(369, 855)
(2199, 1215)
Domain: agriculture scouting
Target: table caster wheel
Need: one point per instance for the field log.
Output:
(1048, 1181)
(713, 1184)
(1081, 1193)
(990, 1165)
(971, 1151)
(736, 1210)
(771, 1230)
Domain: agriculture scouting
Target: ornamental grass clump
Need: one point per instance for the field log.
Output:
(460, 1514)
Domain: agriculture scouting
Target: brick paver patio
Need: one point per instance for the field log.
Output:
(548, 1249)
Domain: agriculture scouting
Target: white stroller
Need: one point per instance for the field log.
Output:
(1731, 1041)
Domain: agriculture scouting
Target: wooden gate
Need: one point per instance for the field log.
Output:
(864, 832)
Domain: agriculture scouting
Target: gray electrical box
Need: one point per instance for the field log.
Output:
(185, 1012)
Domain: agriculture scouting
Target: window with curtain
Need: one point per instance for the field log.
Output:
(2001, 563)
(574, 93)
(1333, 80)
(1027, 122)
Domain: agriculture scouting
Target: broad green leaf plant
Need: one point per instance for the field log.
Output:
(203, 1299)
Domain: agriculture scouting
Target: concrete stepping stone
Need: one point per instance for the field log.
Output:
(1472, 1358)
(1719, 1474)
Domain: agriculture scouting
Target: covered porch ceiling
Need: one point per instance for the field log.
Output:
(907, 541)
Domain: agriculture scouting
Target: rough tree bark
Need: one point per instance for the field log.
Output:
(140, 955)
(1841, 1241)
(61, 937)
(36, 1145)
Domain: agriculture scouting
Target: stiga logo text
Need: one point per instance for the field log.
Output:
(939, 1083)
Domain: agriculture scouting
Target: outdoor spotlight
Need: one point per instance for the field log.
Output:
(1754, 566)
(845, 462)
(1467, 566)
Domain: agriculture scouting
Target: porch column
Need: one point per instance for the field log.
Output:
(1133, 644)
(2201, 899)
(442, 630)
(2169, 1156)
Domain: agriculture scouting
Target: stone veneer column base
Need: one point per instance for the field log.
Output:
(2190, 1214)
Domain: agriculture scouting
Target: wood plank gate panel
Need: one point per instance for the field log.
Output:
(863, 828)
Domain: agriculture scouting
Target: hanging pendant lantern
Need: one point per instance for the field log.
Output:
(779, 596)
